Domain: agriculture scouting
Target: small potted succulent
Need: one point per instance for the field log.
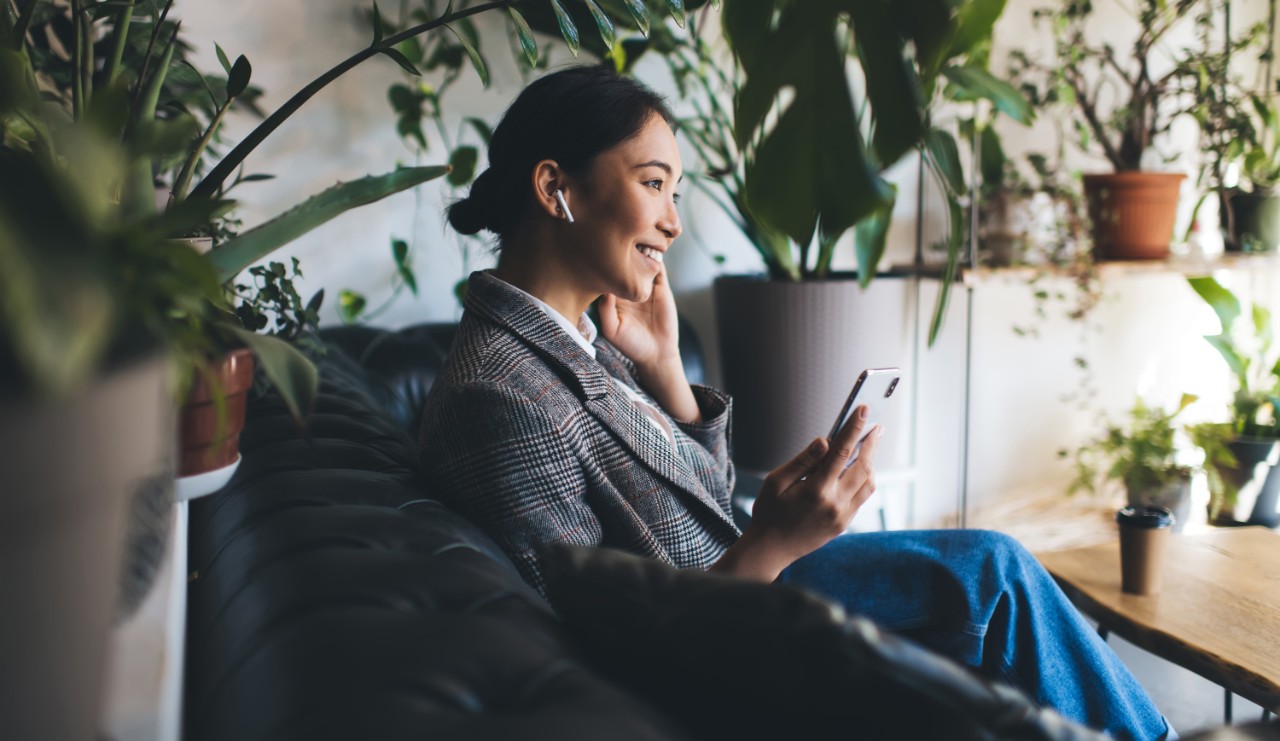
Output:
(1142, 455)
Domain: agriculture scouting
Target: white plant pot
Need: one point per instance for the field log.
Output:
(71, 469)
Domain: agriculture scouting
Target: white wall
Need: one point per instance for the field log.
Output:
(1151, 322)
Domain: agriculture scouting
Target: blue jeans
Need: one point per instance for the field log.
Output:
(980, 598)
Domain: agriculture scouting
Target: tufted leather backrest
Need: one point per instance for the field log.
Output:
(332, 597)
(400, 366)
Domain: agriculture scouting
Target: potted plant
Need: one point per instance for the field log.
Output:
(1132, 209)
(1142, 455)
(1243, 148)
(1255, 212)
(98, 304)
(86, 419)
(1240, 138)
(798, 164)
(1236, 450)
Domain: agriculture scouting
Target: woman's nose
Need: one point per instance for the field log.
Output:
(670, 223)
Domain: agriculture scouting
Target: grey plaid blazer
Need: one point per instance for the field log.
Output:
(527, 436)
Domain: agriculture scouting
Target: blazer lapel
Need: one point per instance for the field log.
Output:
(589, 379)
(637, 433)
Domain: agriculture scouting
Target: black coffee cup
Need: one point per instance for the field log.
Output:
(1144, 538)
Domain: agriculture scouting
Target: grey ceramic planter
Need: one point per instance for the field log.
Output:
(790, 353)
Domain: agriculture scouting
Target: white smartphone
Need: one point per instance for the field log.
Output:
(874, 387)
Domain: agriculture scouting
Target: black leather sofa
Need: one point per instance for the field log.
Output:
(332, 597)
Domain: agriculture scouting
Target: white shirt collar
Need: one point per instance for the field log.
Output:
(584, 333)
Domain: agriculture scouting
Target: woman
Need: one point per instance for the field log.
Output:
(541, 429)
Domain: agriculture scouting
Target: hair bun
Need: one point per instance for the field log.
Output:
(467, 217)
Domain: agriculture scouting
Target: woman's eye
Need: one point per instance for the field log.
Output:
(675, 197)
(656, 184)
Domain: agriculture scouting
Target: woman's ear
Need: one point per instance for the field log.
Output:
(548, 178)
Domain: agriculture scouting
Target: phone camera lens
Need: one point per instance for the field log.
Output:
(893, 385)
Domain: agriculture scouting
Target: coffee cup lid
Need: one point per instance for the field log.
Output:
(1143, 516)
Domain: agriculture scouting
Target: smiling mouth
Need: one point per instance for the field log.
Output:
(650, 253)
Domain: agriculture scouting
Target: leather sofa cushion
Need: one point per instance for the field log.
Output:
(791, 664)
(333, 598)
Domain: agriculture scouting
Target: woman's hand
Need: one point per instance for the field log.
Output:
(805, 502)
(648, 333)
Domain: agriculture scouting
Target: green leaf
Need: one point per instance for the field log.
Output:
(293, 376)
(991, 157)
(974, 22)
(677, 11)
(406, 275)
(640, 12)
(944, 157)
(525, 34)
(1262, 327)
(463, 161)
(813, 167)
(481, 127)
(313, 306)
(350, 306)
(1238, 364)
(607, 33)
(409, 126)
(567, 28)
(1223, 301)
(240, 252)
(476, 61)
(979, 83)
(377, 26)
(869, 239)
(954, 244)
(892, 87)
(400, 253)
(238, 77)
(400, 59)
(222, 59)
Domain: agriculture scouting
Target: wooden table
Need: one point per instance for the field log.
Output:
(1218, 612)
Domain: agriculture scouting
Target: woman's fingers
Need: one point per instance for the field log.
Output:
(863, 470)
(844, 445)
(782, 477)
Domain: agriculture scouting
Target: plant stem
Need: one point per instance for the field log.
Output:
(86, 58)
(120, 35)
(77, 71)
(156, 24)
(213, 181)
(183, 181)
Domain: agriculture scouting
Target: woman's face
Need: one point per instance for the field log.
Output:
(625, 213)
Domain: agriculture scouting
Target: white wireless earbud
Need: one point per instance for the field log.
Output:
(564, 206)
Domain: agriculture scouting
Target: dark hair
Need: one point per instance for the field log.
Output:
(569, 116)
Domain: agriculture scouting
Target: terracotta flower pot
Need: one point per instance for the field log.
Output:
(210, 440)
(1132, 213)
